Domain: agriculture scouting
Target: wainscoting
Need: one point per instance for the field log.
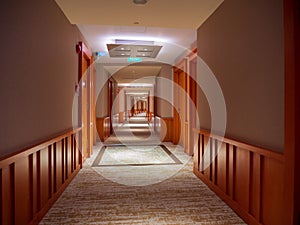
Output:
(103, 127)
(33, 179)
(121, 117)
(165, 127)
(248, 178)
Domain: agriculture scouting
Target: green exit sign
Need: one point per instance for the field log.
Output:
(134, 59)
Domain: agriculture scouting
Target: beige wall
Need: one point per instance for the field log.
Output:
(101, 91)
(164, 108)
(39, 69)
(242, 43)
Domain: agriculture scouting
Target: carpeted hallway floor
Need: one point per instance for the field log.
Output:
(107, 191)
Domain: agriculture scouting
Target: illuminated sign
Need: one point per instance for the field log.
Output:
(134, 59)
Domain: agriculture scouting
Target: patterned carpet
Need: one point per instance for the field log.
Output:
(94, 197)
(136, 131)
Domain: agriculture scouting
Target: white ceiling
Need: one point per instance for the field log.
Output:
(171, 24)
(134, 73)
(156, 13)
(174, 41)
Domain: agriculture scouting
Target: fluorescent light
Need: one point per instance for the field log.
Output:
(133, 42)
(137, 93)
(135, 85)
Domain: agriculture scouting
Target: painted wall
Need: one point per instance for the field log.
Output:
(164, 90)
(242, 43)
(101, 91)
(39, 70)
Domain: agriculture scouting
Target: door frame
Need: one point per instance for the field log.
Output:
(179, 136)
(292, 110)
(86, 100)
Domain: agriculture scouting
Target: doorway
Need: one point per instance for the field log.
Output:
(86, 106)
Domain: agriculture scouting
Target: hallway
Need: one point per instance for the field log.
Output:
(182, 199)
(150, 112)
(136, 130)
(133, 178)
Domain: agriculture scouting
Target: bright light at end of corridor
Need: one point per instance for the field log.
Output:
(134, 85)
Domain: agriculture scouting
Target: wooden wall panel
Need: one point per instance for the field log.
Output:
(22, 192)
(164, 125)
(207, 154)
(242, 178)
(196, 147)
(33, 184)
(32, 180)
(221, 176)
(248, 178)
(231, 171)
(7, 196)
(121, 117)
(52, 170)
(59, 166)
(255, 185)
(45, 174)
(272, 192)
(167, 128)
(103, 127)
(69, 157)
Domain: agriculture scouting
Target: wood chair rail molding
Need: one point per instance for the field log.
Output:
(259, 150)
(8, 159)
(248, 178)
(32, 179)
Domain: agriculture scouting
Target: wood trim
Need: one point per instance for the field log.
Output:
(33, 179)
(179, 79)
(184, 74)
(110, 103)
(121, 117)
(103, 127)
(292, 108)
(193, 54)
(166, 128)
(248, 178)
(259, 150)
(9, 159)
(85, 100)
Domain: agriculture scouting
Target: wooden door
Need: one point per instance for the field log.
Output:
(193, 104)
(185, 101)
(182, 108)
(181, 115)
(110, 104)
(176, 123)
(86, 100)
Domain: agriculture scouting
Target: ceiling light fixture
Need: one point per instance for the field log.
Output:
(140, 2)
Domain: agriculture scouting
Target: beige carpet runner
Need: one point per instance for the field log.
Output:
(99, 194)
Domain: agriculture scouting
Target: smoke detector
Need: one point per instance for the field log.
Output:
(140, 2)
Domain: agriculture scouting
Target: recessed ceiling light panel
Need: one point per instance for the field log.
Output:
(123, 50)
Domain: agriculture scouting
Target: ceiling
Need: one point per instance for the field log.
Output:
(134, 73)
(133, 50)
(171, 24)
(156, 13)
(174, 41)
